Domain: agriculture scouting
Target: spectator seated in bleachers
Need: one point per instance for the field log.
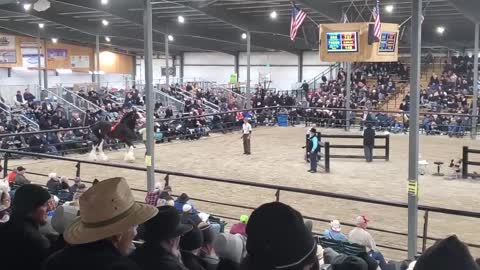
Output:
(240, 227)
(231, 250)
(335, 232)
(53, 183)
(20, 178)
(5, 201)
(190, 244)
(23, 247)
(188, 217)
(359, 235)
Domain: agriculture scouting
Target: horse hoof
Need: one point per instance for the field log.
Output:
(103, 157)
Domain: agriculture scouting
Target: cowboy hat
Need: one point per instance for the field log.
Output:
(165, 225)
(107, 208)
(230, 246)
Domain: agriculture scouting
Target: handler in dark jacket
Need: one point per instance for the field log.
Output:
(162, 239)
(368, 142)
(102, 237)
(22, 245)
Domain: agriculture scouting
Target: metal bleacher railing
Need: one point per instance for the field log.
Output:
(276, 194)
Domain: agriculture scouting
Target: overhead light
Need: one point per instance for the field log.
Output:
(41, 5)
(170, 38)
(105, 22)
(273, 14)
(389, 8)
(63, 71)
(244, 36)
(41, 25)
(107, 39)
(54, 40)
(27, 7)
(181, 19)
(440, 30)
(104, 2)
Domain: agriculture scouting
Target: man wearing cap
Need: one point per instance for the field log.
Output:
(188, 216)
(335, 232)
(360, 235)
(162, 239)
(101, 237)
(22, 245)
(190, 245)
(246, 135)
(20, 178)
(314, 148)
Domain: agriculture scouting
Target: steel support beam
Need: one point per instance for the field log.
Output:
(39, 58)
(237, 64)
(475, 82)
(150, 155)
(167, 55)
(97, 60)
(182, 67)
(348, 88)
(331, 11)
(249, 97)
(45, 78)
(300, 67)
(413, 149)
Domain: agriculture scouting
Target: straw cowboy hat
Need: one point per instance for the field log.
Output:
(107, 209)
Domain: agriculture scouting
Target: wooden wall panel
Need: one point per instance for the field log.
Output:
(72, 50)
(111, 62)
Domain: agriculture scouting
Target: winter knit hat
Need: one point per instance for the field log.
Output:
(27, 198)
(446, 254)
(192, 240)
(278, 238)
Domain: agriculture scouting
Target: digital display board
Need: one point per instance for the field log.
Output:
(342, 42)
(388, 42)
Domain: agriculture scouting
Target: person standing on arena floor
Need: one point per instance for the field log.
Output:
(246, 135)
(314, 148)
(368, 142)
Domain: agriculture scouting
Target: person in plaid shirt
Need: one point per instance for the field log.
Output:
(152, 197)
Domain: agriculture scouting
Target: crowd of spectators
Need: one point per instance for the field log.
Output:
(43, 228)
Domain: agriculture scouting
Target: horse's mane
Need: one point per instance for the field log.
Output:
(129, 119)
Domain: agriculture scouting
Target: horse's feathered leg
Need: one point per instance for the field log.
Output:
(129, 156)
(93, 153)
(102, 155)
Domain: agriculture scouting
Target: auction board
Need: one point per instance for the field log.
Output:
(348, 42)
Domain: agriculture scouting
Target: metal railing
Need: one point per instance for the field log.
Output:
(68, 106)
(276, 190)
(81, 101)
(169, 100)
(22, 118)
(205, 103)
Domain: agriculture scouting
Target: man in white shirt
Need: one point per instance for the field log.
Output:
(246, 134)
(359, 235)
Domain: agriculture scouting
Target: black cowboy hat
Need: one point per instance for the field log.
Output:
(165, 225)
(183, 198)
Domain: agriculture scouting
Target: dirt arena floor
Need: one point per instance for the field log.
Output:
(277, 158)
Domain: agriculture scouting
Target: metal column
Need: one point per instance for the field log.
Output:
(249, 98)
(167, 75)
(148, 51)
(45, 78)
(415, 49)
(97, 61)
(237, 64)
(39, 58)
(182, 67)
(475, 83)
(300, 67)
(348, 86)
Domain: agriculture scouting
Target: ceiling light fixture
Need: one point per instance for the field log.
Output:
(41, 25)
(244, 36)
(105, 22)
(54, 40)
(27, 7)
(107, 39)
(440, 30)
(104, 2)
(273, 14)
(181, 19)
(170, 38)
(389, 8)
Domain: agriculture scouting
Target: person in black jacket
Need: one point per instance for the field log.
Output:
(190, 245)
(368, 142)
(23, 246)
(162, 239)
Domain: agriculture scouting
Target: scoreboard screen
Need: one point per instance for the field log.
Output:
(388, 42)
(342, 42)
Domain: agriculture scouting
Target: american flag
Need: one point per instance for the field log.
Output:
(378, 25)
(298, 16)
